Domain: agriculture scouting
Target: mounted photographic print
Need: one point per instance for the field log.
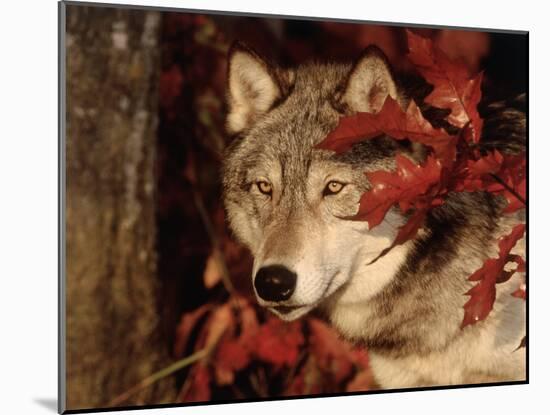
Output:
(264, 207)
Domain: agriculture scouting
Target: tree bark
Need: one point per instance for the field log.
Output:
(113, 334)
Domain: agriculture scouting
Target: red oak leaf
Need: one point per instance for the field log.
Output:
(199, 388)
(513, 174)
(332, 353)
(231, 356)
(296, 385)
(394, 122)
(309, 380)
(514, 202)
(406, 232)
(472, 175)
(497, 174)
(520, 292)
(338, 359)
(453, 88)
(491, 163)
(483, 294)
(278, 342)
(187, 324)
(249, 324)
(410, 186)
(506, 275)
(518, 260)
(360, 357)
(235, 352)
(221, 320)
(362, 382)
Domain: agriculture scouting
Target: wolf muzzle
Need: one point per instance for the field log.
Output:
(275, 283)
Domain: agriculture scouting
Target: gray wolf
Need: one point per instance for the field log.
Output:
(285, 200)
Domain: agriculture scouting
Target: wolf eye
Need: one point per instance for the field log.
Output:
(264, 187)
(333, 187)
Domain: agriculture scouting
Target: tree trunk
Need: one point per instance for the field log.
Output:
(113, 335)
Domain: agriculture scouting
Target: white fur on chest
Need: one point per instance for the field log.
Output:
(487, 352)
(484, 352)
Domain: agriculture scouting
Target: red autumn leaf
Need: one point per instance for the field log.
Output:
(249, 324)
(278, 342)
(199, 388)
(483, 294)
(187, 324)
(410, 186)
(297, 384)
(360, 357)
(507, 274)
(407, 231)
(338, 359)
(497, 174)
(514, 202)
(231, 356)
(309, 380)
(332, 353)
(362, 382)
(394, 122)
(518, 260)
(490, 164)
(234, 353)
(220, 321)
(513, 174)
(520, 292)
(472, 175)
(453, 88)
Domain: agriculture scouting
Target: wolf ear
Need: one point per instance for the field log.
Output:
(253, 87)
(369, 82)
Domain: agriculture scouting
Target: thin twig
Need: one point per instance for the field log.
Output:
(294, 369)
(214, 240)
(255, 383)
(186, 386)
(511, 190)
(161, 374)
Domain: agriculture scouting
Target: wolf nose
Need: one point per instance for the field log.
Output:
(275, 283)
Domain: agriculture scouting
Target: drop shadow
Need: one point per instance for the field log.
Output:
(48, 403)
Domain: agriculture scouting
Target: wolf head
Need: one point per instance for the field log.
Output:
(285, 199)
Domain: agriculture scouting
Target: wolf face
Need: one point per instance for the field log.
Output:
(288, 201)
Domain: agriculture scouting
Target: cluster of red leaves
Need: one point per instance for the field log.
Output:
(454, 164)
(310, 355)
(492, 272)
